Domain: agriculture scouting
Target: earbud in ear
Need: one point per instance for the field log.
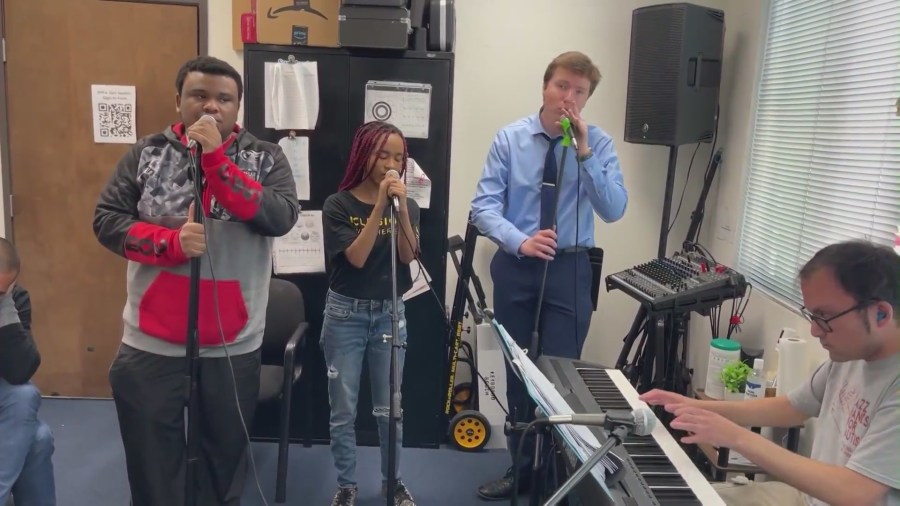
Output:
(880, 316)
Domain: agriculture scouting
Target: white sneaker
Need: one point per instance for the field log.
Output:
(402, 497)
(345, 496)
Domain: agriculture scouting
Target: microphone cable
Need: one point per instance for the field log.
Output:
(578, 167)
(198, 198)
(516, 457)
(447, 324)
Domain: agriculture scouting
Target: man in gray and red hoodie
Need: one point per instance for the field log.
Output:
(248, 198)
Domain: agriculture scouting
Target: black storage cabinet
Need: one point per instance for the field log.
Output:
(343, 74)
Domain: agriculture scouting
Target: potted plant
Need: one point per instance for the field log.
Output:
(734, 376)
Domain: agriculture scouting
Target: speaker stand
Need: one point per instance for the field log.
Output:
(651, 352)
(667, 203)
(656, 362)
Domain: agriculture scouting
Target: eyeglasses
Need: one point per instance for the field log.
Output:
(825, 323)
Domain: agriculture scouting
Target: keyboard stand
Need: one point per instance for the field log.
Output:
(615, 438)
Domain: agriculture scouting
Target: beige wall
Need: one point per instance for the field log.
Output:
(499, 66)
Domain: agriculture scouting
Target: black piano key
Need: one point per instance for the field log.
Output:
(643, 449)
(674, 489)
(663, 479)
(659, 463)
(666, 495)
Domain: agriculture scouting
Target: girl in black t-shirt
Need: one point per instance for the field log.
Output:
(358, 309)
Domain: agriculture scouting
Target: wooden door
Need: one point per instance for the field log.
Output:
(55, 51)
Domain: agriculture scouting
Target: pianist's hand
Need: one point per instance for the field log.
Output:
(663, 397)
(705, 426)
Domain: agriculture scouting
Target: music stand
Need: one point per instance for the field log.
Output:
(549, 402)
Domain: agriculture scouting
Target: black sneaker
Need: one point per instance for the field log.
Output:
(345, 496)
(402, 497)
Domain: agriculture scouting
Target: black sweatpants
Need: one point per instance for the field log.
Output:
(150, 394)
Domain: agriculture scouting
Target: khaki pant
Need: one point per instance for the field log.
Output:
(766, 493)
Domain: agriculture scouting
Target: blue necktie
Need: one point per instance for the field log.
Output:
(548, 187)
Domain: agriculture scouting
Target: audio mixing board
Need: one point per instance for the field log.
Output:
(683, 283)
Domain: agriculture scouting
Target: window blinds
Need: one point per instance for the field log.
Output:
(825, 156)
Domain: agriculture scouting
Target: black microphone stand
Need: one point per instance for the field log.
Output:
(192, 347)
(567, 140)
(616, 436)
(537, 476)
(395, 413)
(534, 349)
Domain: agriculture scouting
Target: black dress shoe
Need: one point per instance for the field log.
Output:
(499, 490)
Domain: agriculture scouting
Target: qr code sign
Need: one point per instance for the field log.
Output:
(115, 120)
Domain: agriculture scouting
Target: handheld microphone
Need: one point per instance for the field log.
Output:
(394, 199)
(641, 421)
(568, 133)
(192, 143)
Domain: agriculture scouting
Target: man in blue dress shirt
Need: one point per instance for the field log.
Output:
(513, 206)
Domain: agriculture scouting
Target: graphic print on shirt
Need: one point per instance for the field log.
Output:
(384, 227)
(850, 412)
(167, 190)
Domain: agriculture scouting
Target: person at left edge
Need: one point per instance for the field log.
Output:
(143, 214)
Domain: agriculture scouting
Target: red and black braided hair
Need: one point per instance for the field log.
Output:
(369, 139)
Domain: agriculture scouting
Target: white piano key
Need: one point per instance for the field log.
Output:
(679, 459)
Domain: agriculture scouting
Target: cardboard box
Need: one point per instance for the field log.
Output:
(492, 365)
(298, 22)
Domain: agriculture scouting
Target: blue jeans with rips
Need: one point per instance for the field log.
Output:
(353, 330)
(26, 448)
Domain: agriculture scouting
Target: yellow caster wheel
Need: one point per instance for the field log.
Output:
(469, 431)
(462, 397)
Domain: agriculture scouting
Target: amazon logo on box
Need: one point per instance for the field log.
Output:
(288, 22)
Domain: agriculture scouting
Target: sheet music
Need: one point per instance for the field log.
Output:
(296, 149)
(302, 250)
(583, 442)
(418, 184)
(579, 438)
(292, 95)
(406, 105)
(420, 279)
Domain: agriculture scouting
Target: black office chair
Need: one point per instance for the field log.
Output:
(281, 363)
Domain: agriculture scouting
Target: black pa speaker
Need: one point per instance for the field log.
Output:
(673, 74)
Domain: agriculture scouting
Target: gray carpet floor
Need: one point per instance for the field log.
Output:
(89, 464)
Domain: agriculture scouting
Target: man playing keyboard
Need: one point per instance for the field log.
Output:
(851, 296)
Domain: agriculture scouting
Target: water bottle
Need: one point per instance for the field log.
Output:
(755, 385)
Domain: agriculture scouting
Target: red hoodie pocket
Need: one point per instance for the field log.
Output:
(164, 308)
